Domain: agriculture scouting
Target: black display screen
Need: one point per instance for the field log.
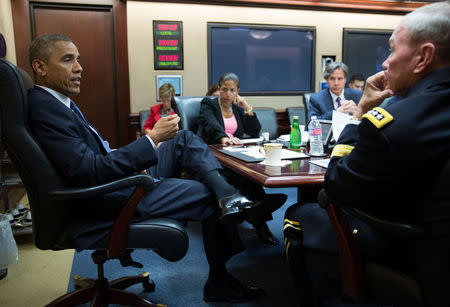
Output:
(364, 51)
(269, 60)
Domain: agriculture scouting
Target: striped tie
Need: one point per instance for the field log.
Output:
(338, 100)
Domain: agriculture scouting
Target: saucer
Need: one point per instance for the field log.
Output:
(282, 163)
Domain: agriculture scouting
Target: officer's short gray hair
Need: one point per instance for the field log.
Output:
(431, 23)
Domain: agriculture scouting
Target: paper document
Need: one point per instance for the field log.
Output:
(339, 120)
(290, 154)
(257, 152)
(320, 162)
(253, 140)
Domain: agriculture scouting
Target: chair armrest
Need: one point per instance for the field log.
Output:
(117, 240)
(145, 181)
(349, 256)
(118, 237)
(398, 229)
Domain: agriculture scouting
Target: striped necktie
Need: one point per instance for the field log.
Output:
(77, 111)
(338, 100)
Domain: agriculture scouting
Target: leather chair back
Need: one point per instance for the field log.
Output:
(298, 111)
(188, 108)
(268, 120)
(306, 98)
(143, 115)
(37, 173)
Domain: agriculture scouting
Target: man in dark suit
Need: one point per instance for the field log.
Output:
(357, 82)
(84, 159)
(387, 160)
(335, 97)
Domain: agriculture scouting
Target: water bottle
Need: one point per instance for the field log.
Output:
(295, 138)
(315, 137)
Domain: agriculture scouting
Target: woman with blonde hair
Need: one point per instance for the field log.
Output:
(166, 92)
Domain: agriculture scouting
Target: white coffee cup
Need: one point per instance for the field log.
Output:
(265, 136)
(272, 152)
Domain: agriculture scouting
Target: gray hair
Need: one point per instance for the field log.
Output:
(229, 76)
(332, 67)
(42, 46)
(431, 23)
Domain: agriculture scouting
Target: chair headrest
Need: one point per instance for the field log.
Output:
(188, 108)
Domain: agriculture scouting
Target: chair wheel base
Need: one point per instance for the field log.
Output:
(80, 282)
(149, 285)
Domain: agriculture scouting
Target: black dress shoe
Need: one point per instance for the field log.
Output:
(230, 289)
(264, 233)
(274, 201)
(3, 273)
(269, 203)
(236, 208)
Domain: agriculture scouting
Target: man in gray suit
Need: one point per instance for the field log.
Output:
(335, 97)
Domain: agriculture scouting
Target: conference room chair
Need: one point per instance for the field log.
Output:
(143, 115)
(268, 119)
(188, 108)
(363, 278)
(297, 111)
(53, 202)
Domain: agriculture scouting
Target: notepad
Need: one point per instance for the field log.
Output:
(252, 140)
(321, 162)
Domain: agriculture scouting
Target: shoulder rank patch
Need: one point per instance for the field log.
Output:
(378, 116)
(341, 150)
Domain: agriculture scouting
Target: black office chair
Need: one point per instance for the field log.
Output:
(53, 202)
(364, 279)
(306, 98)
(268, 120)
(188, 108)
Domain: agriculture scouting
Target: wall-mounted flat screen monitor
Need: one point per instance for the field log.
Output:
(269, 60)
(364, 50)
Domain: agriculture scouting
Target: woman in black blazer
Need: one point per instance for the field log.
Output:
(225, 120)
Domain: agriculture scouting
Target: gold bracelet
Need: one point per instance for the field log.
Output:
(251, 109)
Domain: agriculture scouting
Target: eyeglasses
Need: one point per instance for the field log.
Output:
(224, 90)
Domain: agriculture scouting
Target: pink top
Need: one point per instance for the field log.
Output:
(231, 125)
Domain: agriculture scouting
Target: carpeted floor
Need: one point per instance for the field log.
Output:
(181, 283)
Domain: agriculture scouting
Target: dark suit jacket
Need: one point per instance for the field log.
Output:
(321, 104)
(212, 127)
(75, 151)
(81, 161)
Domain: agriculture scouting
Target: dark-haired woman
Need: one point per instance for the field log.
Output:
(225, 120)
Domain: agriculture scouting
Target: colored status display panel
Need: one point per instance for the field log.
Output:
(168, 44)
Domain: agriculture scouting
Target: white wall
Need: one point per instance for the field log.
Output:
(6, 29)
(329, 27)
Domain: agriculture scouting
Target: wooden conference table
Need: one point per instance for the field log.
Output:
(307, 177)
